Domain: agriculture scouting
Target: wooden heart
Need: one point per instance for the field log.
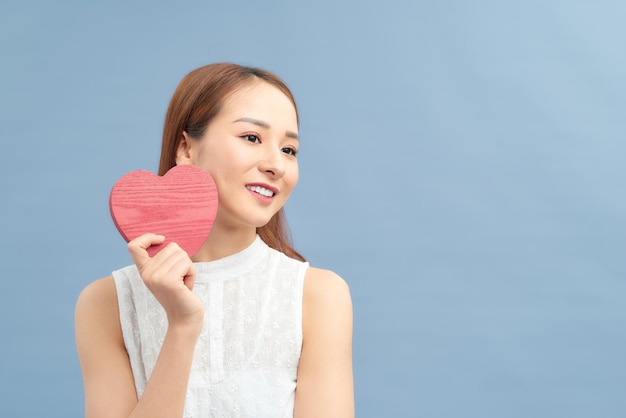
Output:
(181, 205)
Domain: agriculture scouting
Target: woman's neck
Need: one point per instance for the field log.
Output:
(224, 241)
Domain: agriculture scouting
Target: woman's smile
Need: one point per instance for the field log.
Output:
(262, 192)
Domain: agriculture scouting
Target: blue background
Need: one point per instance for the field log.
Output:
(462, 167)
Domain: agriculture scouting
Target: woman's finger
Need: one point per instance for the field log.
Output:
(190, 277)
(138, 246)
(169, 265)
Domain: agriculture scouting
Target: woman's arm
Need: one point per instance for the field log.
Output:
(325, 384)
(107, 377)
(108, 381)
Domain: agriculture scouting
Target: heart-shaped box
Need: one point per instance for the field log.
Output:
(181, 205)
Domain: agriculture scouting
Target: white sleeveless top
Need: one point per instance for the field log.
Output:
(246, 359)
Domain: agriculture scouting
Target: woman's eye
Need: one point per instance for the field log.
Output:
(290, 151)
(252, 138)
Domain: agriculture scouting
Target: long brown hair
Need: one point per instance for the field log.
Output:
(196, 101)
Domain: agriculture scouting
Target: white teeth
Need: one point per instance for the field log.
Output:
(261, 190)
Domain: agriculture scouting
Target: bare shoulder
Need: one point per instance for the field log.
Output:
(326, 295)
(325, 286)
(96, 309)
(99, 295)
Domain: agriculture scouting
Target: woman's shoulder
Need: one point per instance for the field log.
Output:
(97, 303)
(323, 280)
(98, 291)
(326, 293)
(96, 318)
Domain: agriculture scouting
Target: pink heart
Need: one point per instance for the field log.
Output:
(181, 205)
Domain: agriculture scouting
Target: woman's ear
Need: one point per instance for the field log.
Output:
(183, 151)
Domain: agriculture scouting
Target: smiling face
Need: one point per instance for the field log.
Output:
(249, 149)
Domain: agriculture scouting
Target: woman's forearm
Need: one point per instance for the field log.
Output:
(166, 389)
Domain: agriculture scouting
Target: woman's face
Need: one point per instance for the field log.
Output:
(249, 149)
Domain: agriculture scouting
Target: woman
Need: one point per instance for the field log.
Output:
(245, 327)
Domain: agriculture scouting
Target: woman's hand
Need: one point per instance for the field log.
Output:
(170, 276)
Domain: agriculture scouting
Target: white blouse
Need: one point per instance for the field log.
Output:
(246, 359)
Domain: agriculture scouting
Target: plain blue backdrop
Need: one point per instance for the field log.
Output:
(462, 167)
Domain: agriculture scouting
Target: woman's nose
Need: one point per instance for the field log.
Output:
(273, 163)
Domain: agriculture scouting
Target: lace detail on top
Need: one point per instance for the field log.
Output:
(246, 359)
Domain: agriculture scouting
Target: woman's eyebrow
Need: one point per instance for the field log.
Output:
(265, 125)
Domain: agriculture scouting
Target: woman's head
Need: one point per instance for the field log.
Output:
(200, 108)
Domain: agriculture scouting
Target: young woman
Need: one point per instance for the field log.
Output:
(245, 328)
